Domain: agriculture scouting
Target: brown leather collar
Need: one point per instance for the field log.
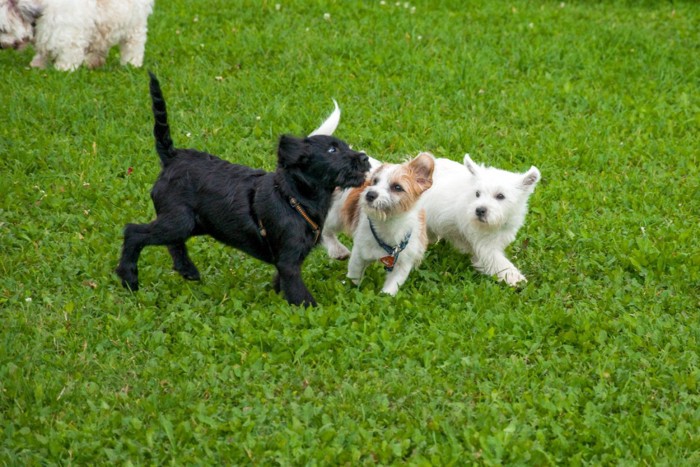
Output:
(296, 205)
(314, 226)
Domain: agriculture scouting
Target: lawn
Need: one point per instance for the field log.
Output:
(594, 361)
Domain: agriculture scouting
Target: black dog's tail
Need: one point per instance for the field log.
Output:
(161, 129)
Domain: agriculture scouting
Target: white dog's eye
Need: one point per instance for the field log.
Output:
(397, 188)
(500, 196)
(375, 180)
(478, 193)
(332, 149)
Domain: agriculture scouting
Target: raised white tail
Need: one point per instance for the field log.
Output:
(330, 124)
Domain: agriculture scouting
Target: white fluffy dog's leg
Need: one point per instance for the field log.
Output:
(494, 262)
(461, 245)
(96, 55)
(95, 60)
(69, 61)
(64, 35)
(132, 49)
(39, 61)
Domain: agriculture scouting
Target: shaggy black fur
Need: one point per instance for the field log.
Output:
(197, 194)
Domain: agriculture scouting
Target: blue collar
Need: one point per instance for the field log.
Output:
(393, 252)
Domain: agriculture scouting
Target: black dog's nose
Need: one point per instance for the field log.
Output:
(363, 158)
(371, 196)
(481, 212)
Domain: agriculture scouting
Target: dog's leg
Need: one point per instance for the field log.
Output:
(396, 277)
(170, 230)
(335, 249)
(461, 245)
(68, 63)
(131, 249)
(356, 266)
(69, 57)
(95, 59)
(97, 51)
(494, 262)
(289, 281)
(39, 61)
(182, 262)
(131, 50)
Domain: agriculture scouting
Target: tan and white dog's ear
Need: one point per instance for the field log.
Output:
(471, 165)
(330, 124)
(531, 178)
(423, 166)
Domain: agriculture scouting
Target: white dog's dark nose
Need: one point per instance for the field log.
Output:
(481, 212)
(371, 196)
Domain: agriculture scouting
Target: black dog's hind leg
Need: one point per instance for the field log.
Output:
(172, 229)
(182, 262)
(289, 281)
(131, 249)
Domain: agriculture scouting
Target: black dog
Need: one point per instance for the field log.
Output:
(273, 216)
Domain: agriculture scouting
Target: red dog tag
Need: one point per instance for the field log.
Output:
(387, 261)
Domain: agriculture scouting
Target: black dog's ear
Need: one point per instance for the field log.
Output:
(291, 151)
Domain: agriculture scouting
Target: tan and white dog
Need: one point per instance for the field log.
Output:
(385, 220)
(69, 33)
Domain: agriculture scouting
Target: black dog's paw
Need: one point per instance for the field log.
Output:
(310, 301)
(304, 299)
(189, 273)
(191, 276)
(129, 276)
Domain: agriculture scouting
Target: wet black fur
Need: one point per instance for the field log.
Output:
(197, 193)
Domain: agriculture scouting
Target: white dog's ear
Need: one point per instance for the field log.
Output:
(328, 127)
(29, 9)
(469, 163)
(531, 178)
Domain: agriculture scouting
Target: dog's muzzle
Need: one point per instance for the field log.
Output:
(359, 165)
(373, 202)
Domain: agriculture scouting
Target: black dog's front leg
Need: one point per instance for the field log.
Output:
(182, 262)
(289, 281)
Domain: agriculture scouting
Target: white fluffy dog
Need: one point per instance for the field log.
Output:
(479, 211)
(72, 32)
(385, 220)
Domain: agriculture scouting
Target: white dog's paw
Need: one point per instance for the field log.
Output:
(391, 289)
(338, 251)
(38, 62)
(66, 65)
(512, 277)
(354, 281)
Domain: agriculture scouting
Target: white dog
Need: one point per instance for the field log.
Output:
(479, 211)
(384, 219)
(70, 33)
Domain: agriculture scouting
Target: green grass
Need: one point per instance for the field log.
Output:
(594, 361)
